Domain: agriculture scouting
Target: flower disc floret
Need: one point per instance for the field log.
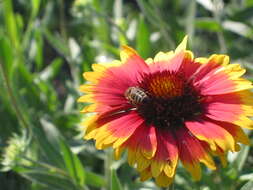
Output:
(171, 100)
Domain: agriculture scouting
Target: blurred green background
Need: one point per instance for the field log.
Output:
(46, 45)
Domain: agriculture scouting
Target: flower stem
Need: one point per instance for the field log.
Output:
(171, 187)
(190, 26)
(62, 20)
(108, 170)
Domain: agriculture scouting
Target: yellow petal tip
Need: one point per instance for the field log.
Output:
(182, 45)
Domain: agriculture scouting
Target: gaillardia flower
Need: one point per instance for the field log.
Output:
(170, 108)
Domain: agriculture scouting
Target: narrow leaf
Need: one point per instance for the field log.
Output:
(248, 186)
(72, 163)
(94, 179)
(143, 38)
(49, 180)
(241, 158)
(115, 183)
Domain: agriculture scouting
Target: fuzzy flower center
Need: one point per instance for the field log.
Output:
(163, 85)
(168, 100)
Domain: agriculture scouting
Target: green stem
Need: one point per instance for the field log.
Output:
(190, 26)
(108, 170)
(171, 187)
(14, 101)
(62, 20)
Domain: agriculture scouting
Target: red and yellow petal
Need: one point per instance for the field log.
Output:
(236, 131)
(192, 152)
(90, 126)
(93, 76)
(209, 65)
(216, 77)
(166, 57)
(166, 157)
(222, 156)
(145, 174)
(212, 133)
(163, 180)
(237, 116)
(131, 57)
(218, 107)
(143, 141)
(161, 57)
(118, 130)
(216, 59)
(90, 108)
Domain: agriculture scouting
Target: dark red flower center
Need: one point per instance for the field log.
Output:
(170, 100)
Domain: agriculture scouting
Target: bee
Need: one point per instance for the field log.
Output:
(136, 96)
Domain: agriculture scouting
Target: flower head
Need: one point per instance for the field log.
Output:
(170, 108)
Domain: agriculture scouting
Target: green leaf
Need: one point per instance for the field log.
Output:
(207, 4)
(155, 17)
(51, 70)
(143, 44)
(246, 177)
(49, 179)
(241, 158)
(57, 42)
(48, 150)
(243, 15)
(208, 24)
(249, 3)
(238, 28)
(94, 179)
(149, 12)
(6, 55)
(72, 163)
(248, 186)
(10, 23)
(115, 183)
(35, 7)
(39, 49)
